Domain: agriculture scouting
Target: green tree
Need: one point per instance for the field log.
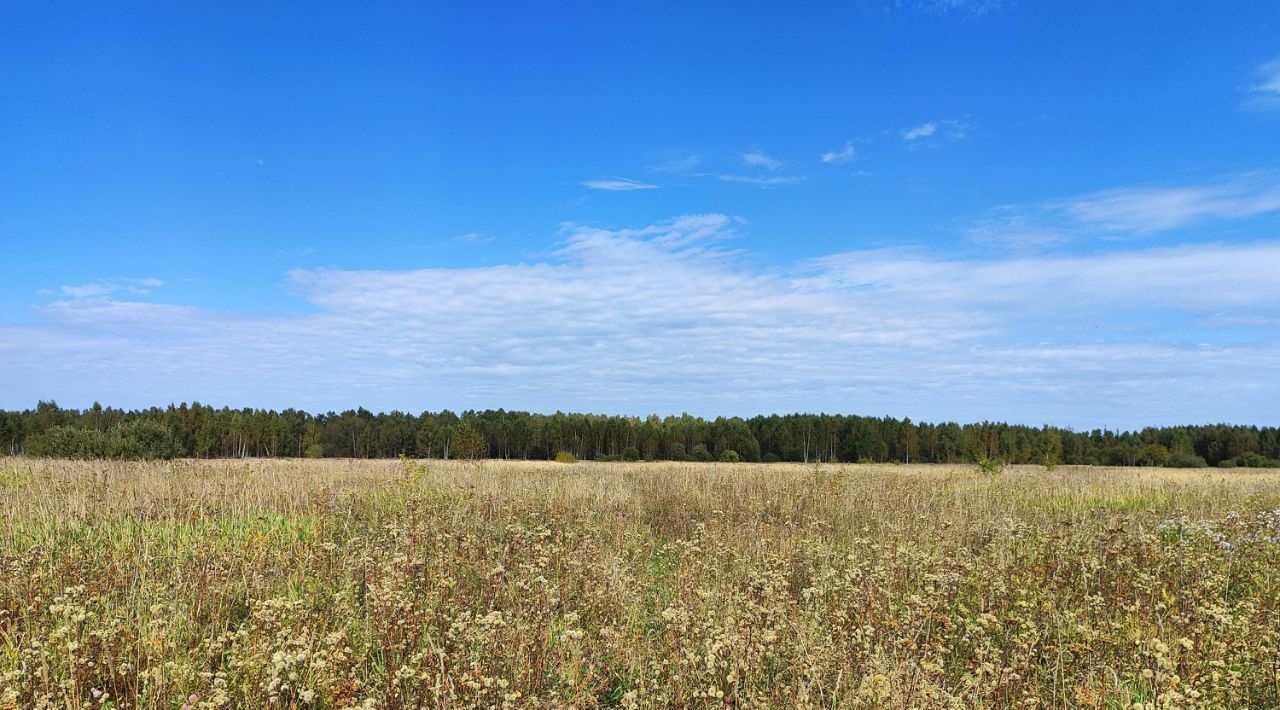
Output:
(468, 443)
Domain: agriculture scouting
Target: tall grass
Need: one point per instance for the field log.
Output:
(345, 584)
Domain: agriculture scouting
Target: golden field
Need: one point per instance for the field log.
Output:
(405, 584)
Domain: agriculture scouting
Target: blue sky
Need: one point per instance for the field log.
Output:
(1064, 213)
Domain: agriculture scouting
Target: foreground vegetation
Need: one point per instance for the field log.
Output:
(383, 584)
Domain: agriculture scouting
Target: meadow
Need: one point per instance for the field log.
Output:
(385, 584)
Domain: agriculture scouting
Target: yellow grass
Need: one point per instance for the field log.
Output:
(335, 584)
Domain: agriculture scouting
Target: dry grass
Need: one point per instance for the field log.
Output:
(386, 584)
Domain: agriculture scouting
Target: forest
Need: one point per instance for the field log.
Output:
(201, 431)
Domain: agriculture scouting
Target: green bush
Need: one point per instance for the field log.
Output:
(1227, 463)
(147, 439)
(1187, 461)
(700, 453)
(566, 457)
(68, 442)
(631, 453)
(729, 456)
(1252, 460)
(770, 458)
(677, 452)
(136, 439)
(993, 467)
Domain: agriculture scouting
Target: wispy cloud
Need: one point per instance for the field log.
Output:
(473, 238)
(618, 185)
(1012, 227)
(102, 289)
(923, 130)
(1264, 93)
(967, 9)
(1140, 210)
(761, 159)
(676, 161)
(842, 155)
(1157, 209)
(766, 181)
(950, 129)
(670, 317)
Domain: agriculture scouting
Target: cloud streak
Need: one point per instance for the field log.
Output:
(1265, 93)
(934, 131)
(971, 9)
(766, 181)
(670, 317)
(1131, 211)
(100, 289)
(761, 159)
(844, 155)
(923, 130)
(618, 185)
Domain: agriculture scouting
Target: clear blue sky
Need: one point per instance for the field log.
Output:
(1042, 212)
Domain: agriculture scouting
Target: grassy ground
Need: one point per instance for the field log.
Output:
(386, 584)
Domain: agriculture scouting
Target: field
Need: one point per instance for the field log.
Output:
(354, 584)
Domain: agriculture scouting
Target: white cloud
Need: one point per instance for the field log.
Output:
(766, 182)
(102, 289)
(1265, 94)
(843, 155)
(676, 161)
(934, 131)
(1011, 227)
(923, 130)
(964, 8)
(668, 317)
(1140, 210)
(761, 159)
(473, 238)
(1187, 279)
(618, 185)
(1156, 209)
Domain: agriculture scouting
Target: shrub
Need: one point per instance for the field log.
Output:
(1252, 460)
(677, 452)
(989, 466)
(1227, 463)
(729, 456)
(631, 453)
(146, 439)
(137, 439)
(68, 442)
(770, 458)
(700, 453)
(566, 457)
(1187, 461)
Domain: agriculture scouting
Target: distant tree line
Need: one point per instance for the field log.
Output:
(201, 431)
